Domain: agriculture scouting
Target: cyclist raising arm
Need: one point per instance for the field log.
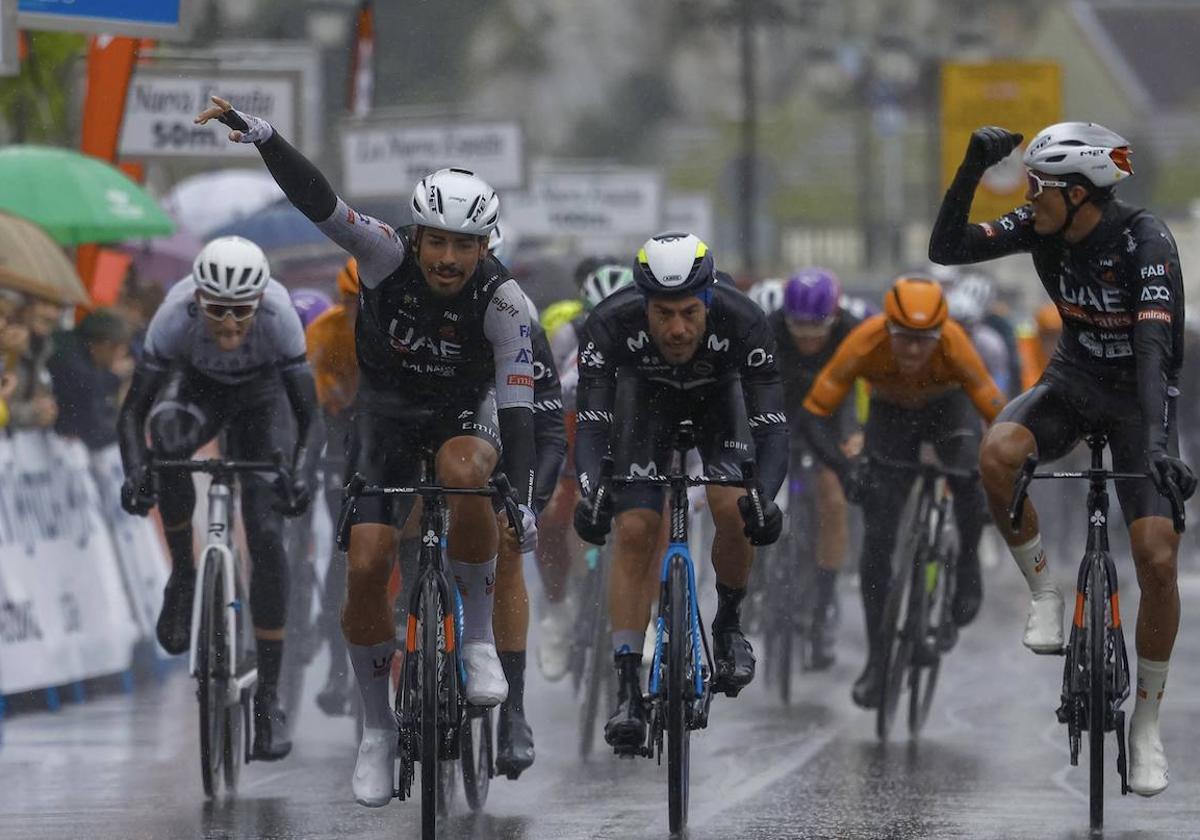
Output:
(217, 353)
(1113, 272)
(444, 357)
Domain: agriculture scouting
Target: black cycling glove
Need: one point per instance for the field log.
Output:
(990, 145)
(772, 525)
(856, 481)
(1169, 472)
(592, 524)
(137, 492)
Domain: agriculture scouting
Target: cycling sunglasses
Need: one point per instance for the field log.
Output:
(1037, 184)
(921, 335)
(220, 310)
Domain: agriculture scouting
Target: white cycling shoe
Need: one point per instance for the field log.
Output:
(554, 647)
(1044, 624)
(486, 685)
(375, 770)
(1147, 759)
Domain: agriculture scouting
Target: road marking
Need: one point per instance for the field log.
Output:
(754, 784)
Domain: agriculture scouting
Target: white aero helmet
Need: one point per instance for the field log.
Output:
(768, 294)
(456, 200)
(674, 265)
(970, 298)
(603, 281)
(231, 268)
(1080, 148)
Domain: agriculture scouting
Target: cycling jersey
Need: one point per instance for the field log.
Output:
(867, 353)
(330, 340)
(177, 336)
(799, 371)
(1119, 291)
(992, 349)
(737, 343)
(417, 349)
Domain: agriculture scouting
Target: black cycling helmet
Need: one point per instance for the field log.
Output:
(674, 265)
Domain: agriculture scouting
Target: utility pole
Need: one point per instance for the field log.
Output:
(748, 193)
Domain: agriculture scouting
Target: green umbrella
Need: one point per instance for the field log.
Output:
(77, 199)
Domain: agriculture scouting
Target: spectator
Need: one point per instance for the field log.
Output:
(32, 405)
(86, 372)
(139, 300)
(14, 340)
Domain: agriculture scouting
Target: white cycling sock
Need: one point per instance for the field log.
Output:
(1151, 683)
(1031, 560)
(477, 588)
(628, 641)
(373, 669)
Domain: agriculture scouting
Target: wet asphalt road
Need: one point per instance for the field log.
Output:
(992, 764)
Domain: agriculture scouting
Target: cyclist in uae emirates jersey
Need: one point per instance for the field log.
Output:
(445, 362)
(1113, 272)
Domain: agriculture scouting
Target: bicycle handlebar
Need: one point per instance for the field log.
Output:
(498, 486)
(922, 467)
(217, 466)
(1016, 510)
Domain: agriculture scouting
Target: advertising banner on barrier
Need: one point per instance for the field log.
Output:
(146, 18)
(64, 614)
(566, 200)
(140, 553)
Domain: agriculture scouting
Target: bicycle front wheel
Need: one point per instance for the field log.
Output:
(680, 692)
(1097, 696)
(598, 670)
(431, 613)
(896, 646)
(210, 667)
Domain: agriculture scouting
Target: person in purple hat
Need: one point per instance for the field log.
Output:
(808, 327)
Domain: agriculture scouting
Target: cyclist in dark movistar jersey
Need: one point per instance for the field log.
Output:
(683, 344)
(445, 361)
(220, 352)
(1113, 271)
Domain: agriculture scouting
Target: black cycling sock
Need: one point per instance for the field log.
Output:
(513, 663)
(179, 543)
(270, 658)
(728, 604)
(826, 587)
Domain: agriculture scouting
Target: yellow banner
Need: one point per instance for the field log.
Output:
(1024, 96)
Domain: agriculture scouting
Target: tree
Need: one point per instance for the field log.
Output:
(35, 105)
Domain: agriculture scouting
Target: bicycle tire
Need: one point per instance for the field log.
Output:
(599, 662)
(1097, 694)
(477, 757)
(448, 771)
(680, 692)
(896, 647)
(923, 676)
(210, 690)
(431, 618)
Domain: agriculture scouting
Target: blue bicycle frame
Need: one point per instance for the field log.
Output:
(680, 550)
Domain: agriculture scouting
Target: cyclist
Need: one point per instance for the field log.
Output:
(970, 300)
(768, 294)
(1037, 345)
(310, 304)
(218, 352)
(925, 377)
(330, 339)
(444, 358)
(514, 736)
(683, 344)
(808, 328)
(1113, 272)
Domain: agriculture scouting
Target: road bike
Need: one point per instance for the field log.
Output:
(1096, 668)
(225, 673)
(436, 726)
(680, 687)
(918, 625)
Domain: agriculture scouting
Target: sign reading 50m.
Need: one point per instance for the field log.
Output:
(160, 108)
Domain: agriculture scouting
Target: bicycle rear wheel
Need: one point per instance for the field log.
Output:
(1097, 696)
(477, 756)
(430, 613)
(599, 660)
(680, 692)
(210, 689)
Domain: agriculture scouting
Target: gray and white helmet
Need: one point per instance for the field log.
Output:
(768, 294)
(231, 268)
(604, 281)
(1080, 148)
(970, 298)
(455, 200)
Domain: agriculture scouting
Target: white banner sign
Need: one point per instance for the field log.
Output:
(614, 201)
(387, 160)
(64, 614)
(10, 62)
(160, 109)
